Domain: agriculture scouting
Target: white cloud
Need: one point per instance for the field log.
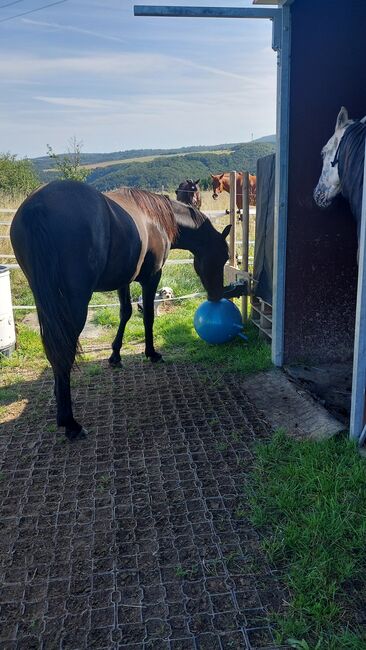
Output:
(72, 28)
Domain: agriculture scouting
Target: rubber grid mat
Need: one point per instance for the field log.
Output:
(136, 538)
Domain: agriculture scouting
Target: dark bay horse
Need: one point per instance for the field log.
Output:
(71, 240)
(189, 192)
(221, 183)
(343, 162)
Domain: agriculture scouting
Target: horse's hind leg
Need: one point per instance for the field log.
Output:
(65, 417)
(148, 295)
(125, 315)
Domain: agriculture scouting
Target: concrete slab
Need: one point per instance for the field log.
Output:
(285, 406)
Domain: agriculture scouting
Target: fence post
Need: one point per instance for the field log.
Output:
(233, 219)
(245, 238)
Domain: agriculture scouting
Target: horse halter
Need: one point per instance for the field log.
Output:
(355, 126)
(335, 160)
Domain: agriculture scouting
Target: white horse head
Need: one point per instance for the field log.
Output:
(329, 184)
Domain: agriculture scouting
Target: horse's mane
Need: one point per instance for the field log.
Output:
(189, 215)
(157, 207)
(198, 217)
(350, 165)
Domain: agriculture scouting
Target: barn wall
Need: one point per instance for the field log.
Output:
(328, 57)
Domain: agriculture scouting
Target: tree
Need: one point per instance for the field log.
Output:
(69, 165)
(17, 177)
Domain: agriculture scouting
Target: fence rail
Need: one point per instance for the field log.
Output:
(212, 214)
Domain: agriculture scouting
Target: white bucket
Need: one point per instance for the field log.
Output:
(7, 329)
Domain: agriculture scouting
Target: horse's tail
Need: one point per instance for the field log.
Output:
(40, 261)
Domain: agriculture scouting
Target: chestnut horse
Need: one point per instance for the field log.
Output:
(221, 183)
(71, 240)
(189, 192)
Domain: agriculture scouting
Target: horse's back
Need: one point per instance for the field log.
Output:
(72, 221)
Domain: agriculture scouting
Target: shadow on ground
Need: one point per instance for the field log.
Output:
(139, 536)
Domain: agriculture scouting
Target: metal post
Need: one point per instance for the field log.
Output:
(358, 415)
(205, 12)
(281, 187)
(233, 219)
(245, 239)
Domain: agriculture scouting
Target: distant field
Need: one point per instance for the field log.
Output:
(144, 159)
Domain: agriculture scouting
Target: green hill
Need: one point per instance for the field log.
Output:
(163, 167)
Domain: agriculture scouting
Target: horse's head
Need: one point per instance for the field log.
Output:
(329, 184)
(217, 184)
(210, 259)
(188, 192)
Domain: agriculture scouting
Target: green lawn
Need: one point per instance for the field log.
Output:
(308, 498)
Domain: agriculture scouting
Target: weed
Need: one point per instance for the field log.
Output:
(222, 446)
(92, 369)
(103, 483)
(180, 572)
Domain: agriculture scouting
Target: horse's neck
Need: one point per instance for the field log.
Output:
(239, 182)
(351, 164)
(188, 238)
(189, 235)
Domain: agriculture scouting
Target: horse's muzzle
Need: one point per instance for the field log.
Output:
(320, 198)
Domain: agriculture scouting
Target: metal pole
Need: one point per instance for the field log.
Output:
(245, 239)
(204, 12)
(281, 187)
(233, 219)
(358, 415)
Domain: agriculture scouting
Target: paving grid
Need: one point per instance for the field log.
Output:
(138, 537)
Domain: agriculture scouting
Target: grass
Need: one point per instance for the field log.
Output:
(174, 336)
(309, 500)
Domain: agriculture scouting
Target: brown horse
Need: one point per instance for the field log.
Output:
(221, 183)
(71, 240)
(188, 192)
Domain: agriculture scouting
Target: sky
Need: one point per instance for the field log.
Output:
(90, 70)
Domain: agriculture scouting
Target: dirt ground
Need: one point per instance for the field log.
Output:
(138, 537)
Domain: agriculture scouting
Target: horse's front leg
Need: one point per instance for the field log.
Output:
(125, 315)
(148, 295)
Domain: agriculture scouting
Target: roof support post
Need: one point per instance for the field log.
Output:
(283, 45)
(358, 405)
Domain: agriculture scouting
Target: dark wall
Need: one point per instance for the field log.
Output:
(328, 57)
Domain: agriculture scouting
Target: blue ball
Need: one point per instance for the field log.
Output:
(218, 322)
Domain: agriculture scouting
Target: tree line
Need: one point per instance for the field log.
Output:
(20, 177)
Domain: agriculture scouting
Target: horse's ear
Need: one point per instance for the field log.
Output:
(222, 175)
(342, 118)
(226, 231)
(212, 175)
(196, 182)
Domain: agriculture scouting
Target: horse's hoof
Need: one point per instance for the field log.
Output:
(115, 364)
(115, 361)
(156, 358)
(73, 435)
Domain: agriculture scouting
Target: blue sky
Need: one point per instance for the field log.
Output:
(91, 70)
